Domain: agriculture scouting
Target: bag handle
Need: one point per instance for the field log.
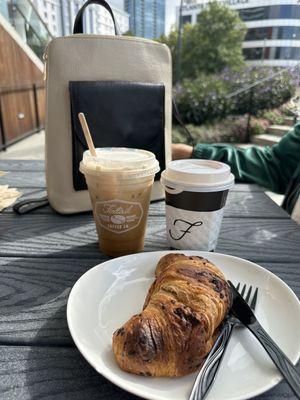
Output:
(177, 117)
(78, 24)
(28, 205)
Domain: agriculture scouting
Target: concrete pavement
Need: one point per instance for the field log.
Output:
(31, 148)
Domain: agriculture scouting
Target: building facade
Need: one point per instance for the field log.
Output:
(146, 17)
(59, 16)
(273, 36)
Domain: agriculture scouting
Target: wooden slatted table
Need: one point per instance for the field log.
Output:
(43, 254)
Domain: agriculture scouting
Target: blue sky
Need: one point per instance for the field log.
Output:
(170, 10)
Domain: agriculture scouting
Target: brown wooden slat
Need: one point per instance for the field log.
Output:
(22, 165)
(29, 373)
(41, 101)
(34, 293)
(34, 290)
(18, 115)
(29, 178)
(18, 70)
(62, 374)
(239, 204)
(22, 180)
(75, 237)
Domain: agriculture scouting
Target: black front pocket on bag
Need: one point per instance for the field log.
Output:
(119, 114)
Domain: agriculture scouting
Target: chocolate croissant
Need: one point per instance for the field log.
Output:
(178, 325)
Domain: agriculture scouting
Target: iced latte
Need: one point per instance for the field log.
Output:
(120, 182)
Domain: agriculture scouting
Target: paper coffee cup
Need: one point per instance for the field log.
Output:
(196, 193)
(119, 181)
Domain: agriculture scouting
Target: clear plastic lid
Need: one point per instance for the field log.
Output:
(196, 174)
(120, 159)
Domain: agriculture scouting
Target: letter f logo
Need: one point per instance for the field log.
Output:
(186, 228)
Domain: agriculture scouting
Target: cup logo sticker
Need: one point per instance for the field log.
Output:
(184, 228)
(119, 216)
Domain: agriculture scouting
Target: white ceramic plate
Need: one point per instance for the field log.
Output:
(109, 294)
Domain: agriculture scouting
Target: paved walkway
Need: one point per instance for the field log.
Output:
(31, 148)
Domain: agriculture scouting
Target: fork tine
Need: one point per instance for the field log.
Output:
(238, 286)
(254, 300)
(247, 298)
(243, 291)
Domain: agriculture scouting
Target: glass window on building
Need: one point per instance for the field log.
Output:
(272, 53)
(253, 54)
(285, 12)
(296, 33)
(283, 53)
(186, 19)
(270, 12)
(254, 13)
(149, 18)
(274, 33)
(285, 32)
(4, 9)
(160, 17)
(296, 53)
(258, 33)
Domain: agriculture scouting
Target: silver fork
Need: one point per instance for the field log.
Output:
(209, 370)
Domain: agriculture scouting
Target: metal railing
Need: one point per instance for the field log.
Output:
(5, 143)
(250, 90)
(249, 105)
(259, 82)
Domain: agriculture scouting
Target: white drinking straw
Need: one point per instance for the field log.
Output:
(87, 134)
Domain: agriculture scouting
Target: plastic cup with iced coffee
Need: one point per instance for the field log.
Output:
(119, 181)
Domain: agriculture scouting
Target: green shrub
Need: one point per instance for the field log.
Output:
(229, 130)
(206, 99)
(275, 117)
(203, 99)
(258, 126)
(269, 94)
(232, 130)
(289, 109)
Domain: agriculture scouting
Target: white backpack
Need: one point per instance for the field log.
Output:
(123, 85)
